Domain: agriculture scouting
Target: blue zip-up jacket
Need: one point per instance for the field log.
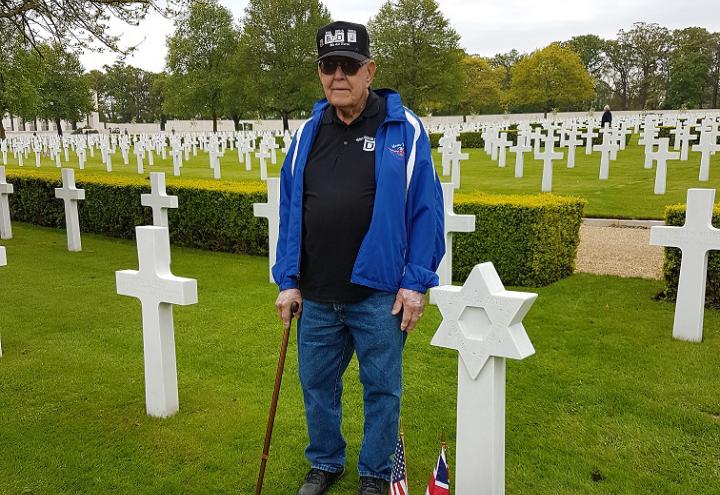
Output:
(405, 241)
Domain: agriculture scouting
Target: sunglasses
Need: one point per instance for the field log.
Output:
(348, 66)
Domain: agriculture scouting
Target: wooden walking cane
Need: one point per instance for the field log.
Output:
(274, 402)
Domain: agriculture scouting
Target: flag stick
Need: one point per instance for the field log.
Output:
(402, 440)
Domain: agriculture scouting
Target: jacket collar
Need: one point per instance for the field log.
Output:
(393, 105)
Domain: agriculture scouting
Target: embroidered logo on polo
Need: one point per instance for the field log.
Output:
(397, 149)
(368, 143)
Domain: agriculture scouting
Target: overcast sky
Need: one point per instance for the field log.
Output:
(486, 27)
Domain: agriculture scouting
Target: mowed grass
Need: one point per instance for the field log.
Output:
(628, 193)
(608, 393)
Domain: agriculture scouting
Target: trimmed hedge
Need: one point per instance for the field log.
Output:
(675, 216)
(211, 215)
(532, 240)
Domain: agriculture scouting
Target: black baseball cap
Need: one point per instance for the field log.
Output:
(343, 39)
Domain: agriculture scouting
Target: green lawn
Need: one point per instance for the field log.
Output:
(608, 392)
(628, 193)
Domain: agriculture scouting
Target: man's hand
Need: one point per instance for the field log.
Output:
(412, 304)
(284, 302)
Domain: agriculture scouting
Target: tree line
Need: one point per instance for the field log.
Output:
(263, 66)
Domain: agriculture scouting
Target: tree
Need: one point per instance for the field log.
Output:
(651, 47)
(553, 77)
(691, 64)
(97, 82)
(278, 51)
(620, 70)
(238, 96)
(506, 62)
(417, 53)
(715, 72)
(64, 91)
(198, 56)
(75, 22)
(481, 87)
(19, 94)
(127, 94)
(156, 98)
(591, 49)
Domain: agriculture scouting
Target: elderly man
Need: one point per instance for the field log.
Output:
(361, 235)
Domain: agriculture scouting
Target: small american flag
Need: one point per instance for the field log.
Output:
(439, 483)
(398, 483)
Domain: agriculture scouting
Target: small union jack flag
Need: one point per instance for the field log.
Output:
(439, 483)
(398, 482)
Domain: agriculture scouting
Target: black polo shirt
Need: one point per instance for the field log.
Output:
(339, 193)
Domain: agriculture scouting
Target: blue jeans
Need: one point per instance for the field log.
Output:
(328, 334)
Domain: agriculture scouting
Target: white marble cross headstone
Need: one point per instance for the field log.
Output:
(158, 289)
(695, 239)
(572, 142)
(502, 144)
(5, 190)
(176, 154)
(271, 211)
(483, 322)
(589, 135)
(159, 200)
(607, 147)
(272, 146)
(70, 196)
(454, 157)
(453, 223)
(706, 147)
(263, 154)
(81, 154)
(649, 140)
(662, 155)
(520, 149)
(139, 153)
(547, 156)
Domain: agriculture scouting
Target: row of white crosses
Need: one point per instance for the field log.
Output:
(146, 146)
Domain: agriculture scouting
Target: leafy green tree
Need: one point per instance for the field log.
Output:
(64, 92)
(506, 62)
(198, 59)
(19, 93)
(481, 87)
(553, 77)
(127, 94)
(97, 81)
(156, 98)
(651, 49)
(691, 64)
(278, 51)
(591, 49)
(417, 53)
(715, 72)
(239, 98)
(620, 70)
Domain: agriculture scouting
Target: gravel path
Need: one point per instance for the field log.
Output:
(622, 251)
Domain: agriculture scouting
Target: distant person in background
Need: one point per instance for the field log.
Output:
(607, 117)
